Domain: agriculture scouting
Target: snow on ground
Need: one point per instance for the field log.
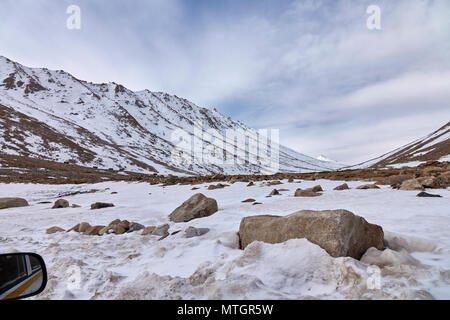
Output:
(132, 266)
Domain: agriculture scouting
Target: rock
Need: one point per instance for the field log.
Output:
(12, 203)
(249, 200)
(250, 184)
(339, 232)
(274, 192)
(425, 194)
(195, 232)
(411, 184)
(368, 186)
(255, 203)
(306, 193)
(117, 227)
(75, 205)
(61, 203)
(397, 180)
(317, 188)
(217, 186)
(54, 230)
(195, 188)
(290, 180)
(93, 231)
(429, 182)
(274, 183)
(134, 226)
(80, 227)
(100, 205)
(342, 187)
(114, 192)
(161, 231)
(148, 230)
(197, 206)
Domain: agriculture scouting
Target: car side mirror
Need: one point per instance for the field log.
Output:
(22, 275)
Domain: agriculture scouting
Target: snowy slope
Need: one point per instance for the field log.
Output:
(435, 146)
(52, 115)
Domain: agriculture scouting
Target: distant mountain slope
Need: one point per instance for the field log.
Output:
(435, 146)
(52, 115)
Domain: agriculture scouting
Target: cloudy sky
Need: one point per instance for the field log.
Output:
(309, 68)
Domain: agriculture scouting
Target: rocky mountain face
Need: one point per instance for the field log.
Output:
(51, 115)
(433, 147)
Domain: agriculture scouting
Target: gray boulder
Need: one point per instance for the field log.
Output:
(339, 232)
(195, 232)
(197, 206)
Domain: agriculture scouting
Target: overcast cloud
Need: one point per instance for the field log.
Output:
(310, 68)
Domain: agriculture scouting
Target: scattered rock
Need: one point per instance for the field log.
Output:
(255, 203)
(425, 194)
(195, 232)
(195, 188)
(339, 232)
(75, 205)
(61, 203)
(343, 186)
(368, 186)
(114, 192)
(217, 186)
(306, 193)
(161, 231)
(93, 231)
(411, 184)
(274, 192)
(54, 230)
(290, 180)
(148, 230)
(317, 188)
(80, 227)
(250, 184)
(100, 205)
(12, 203)
(134, 226)
(249, 200)
(429, 182)
(197, 206)
(274, 183)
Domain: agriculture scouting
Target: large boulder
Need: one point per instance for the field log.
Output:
(339, 232)
(411, 184)
(60, 203)
(12, 203)
(197, 206)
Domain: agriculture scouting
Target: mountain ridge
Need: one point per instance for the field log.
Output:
(52, 115)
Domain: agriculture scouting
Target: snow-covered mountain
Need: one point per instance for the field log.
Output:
(435, 146)
(52, 115)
